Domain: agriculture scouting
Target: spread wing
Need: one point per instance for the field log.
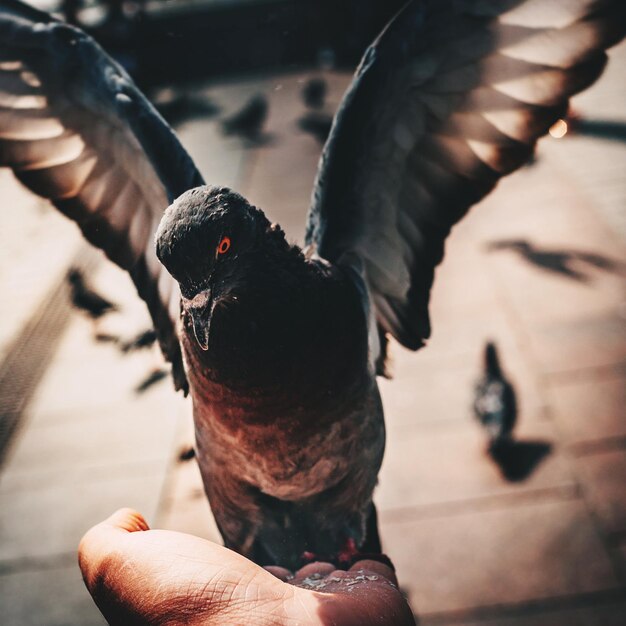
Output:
(452, 96)
(76, 130)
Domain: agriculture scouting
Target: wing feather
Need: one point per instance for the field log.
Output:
(451, 97)
(76, 130)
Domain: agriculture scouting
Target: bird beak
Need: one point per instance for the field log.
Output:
(200, 308)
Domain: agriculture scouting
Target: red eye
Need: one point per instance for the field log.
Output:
(224, 245)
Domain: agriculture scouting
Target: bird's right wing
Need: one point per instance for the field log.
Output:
(450, 98)
(76, 130)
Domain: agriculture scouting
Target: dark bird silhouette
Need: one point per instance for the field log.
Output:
(602, 129)
(518, 459)
(180, 107)
(495, 408)
(186, 454)
(144, 339)
(248, 121)
(316, 124)
(572, 264)
(494, 401)
(85, 299)
(153, 377)
(314, 93)
(281, 344)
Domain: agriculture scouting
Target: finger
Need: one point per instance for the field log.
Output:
(98, 542)
(318, 569)
(377, 568)
(281, 573)
(128, 520)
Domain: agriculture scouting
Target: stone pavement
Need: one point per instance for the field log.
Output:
(471, 547)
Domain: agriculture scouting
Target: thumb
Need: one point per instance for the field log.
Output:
(98, 542)
(127, 520)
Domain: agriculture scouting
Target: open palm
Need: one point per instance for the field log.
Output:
(142, 576)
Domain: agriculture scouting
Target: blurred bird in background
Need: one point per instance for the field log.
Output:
(496, 410)
(282, 344)
(314, 93)
(144, 339)
(86, 300)
(577, 265)
(153, 377)
(316, 124)
(249, 120)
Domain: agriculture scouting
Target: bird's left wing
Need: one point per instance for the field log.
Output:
(451, 97)
(76, 130)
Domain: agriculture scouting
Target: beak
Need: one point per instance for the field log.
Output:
(200, 308)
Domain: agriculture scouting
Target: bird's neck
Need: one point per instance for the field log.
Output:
(295, 338)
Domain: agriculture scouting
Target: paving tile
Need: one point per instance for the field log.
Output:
(593, 162)
(36, 244)
(421, 393)
(92, 376)
(51, 520)
(526, 552)
(603, 477)
(611, 614)
(448, 463)
(463, 285)
(144, 436)
(15, 480)
(543, 204)
(466, 335)
(51, 597)
(575, 344)
(606, 97)
(539, 295)
(588, 409)
(280, 179)
(128, 433)
(184, 506)
(436, 384)
(219, 159)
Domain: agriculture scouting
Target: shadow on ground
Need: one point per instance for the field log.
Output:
(178, 107)
(601, 129)
(566, 263)
(517, 460)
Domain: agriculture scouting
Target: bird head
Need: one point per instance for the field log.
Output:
(210, 240)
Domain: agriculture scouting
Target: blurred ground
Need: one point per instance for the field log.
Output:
(470, 547)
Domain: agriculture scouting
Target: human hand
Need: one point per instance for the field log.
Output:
(139, 576)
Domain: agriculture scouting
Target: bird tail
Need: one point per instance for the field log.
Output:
(492, 363)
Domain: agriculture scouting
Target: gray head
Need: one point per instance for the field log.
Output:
(209, 240)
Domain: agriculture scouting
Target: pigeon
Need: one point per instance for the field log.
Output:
(314, 93)
(248, 121)
(495, 406)
(85, 299)
(282, 345)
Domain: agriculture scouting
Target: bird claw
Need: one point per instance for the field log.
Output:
(349, 551)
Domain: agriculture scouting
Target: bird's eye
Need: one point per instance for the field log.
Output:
(224, 245)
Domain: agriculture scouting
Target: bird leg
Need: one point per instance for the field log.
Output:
(346, 557)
